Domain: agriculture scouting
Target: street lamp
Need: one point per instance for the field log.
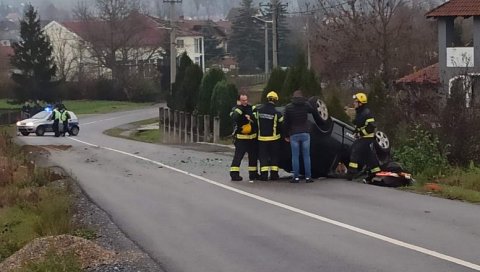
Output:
(266, 42)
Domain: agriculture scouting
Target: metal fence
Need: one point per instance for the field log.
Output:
(185, 127)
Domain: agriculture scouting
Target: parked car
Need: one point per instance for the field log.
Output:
(330, 144)
(43, 122)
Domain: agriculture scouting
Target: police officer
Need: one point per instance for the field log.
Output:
(64, 117)
(245, 137)
(56, 120)
(362, 152)
(269, 129)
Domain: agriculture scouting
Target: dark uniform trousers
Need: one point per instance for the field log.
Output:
(362, 154)
(269, 158)
(243, 146)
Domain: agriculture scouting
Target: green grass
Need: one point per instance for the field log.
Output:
(459, 184)
(88, 106)
(55, 262)
(101, 106)
(148, 136)
(5, 105)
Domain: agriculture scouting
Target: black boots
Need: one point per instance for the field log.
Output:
(235, 176)
(274, 175)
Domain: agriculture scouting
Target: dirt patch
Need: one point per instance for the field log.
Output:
(44, 149)
(89, 253)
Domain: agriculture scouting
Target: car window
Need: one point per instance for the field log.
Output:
(41, 115)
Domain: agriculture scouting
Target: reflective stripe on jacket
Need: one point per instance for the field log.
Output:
(364, 122)
(269, 122)
(238, 115)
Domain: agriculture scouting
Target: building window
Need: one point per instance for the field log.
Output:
(180, 44)
(198, 45)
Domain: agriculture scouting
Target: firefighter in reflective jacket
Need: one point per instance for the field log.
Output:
(245, 137)
(269, 128)
(362, 152)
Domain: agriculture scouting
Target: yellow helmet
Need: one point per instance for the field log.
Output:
(246, 129)
(361, 97)
(273, 95)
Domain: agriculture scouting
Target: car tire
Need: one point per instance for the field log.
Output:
(326, 127)
(320, 106)
(40, 131)
(382, 143)
(25, 133)
(74, 131)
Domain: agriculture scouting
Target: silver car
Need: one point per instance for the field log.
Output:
(43, 122)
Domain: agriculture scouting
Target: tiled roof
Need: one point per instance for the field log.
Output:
(464, 8)
(425, 76)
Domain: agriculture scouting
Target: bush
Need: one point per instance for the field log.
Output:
(206, 89)
(144, 90)
(336, 110)
(275, 82)
(422, 154)
(224, 98)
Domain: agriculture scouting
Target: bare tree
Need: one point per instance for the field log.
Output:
(121, 38)
(360, 39)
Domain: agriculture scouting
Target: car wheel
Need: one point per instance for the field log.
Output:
(321, 107)
(382, 142)
(25, 133)
(40, 131)
(74, 131)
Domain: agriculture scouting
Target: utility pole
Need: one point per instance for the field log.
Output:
(307, 31)
(173, 45)
(274, 33)
(267, 72)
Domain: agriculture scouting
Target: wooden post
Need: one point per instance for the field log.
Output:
(199, 117)
(187, 121)
(165, 114)
(181, 119)
(206, 128)
(216, 129)
(170, 119)
(192, 123)
(161, 119)
(175, 120)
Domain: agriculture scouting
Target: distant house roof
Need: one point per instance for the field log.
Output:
(147, 32)
(233, 14)
(464, 8)
(427, 76)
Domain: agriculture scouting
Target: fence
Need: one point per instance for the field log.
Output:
(184, 127)
(10, 117)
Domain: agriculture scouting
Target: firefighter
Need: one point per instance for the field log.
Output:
(245, 139)
(270, 122)
(362, 152)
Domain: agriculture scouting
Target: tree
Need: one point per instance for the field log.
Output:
(246, 39)
(176, 101)
(299, 77)
(362, 39)
(206, 89)
(275, 82)
(35, 68)
(212, 49)
(190, 86)
(224, 96)
(120, 37)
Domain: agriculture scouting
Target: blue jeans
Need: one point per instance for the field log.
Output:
(296, 141)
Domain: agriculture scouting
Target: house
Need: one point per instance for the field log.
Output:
(5, 53)
(91, 49)
(459, 64)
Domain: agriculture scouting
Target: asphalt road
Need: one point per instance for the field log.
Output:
(179, 205)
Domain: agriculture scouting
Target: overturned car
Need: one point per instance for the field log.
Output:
(330, 146)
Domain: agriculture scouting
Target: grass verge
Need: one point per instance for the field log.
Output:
(88, 106)
(131, 133)
(30, 207)
(459, 184)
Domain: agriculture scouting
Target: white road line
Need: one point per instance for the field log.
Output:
(93, 122)
(305, 213)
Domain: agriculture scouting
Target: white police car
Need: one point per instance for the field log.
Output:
(43, 122)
